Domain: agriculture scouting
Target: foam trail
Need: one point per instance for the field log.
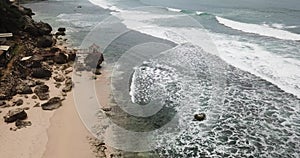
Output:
(259, 29)
(174, 9)
(253, 58)
(106, 5)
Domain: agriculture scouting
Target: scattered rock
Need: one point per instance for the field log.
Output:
(60, 58)
(42, 92)
(97, 72)
(41, 89)
(67, 88)
(21, 124)
(59, 78)
(41, 73)
(15, 114)
(43, 28)
(19, 102)
(52, 104)
(30, 83)
(45, 41)
(106, 109)
(57, 85)
(199, 117)
(61, 29)
(37, 105)
(64, 94)
(24, 89)
(2, 103)
(68, 70)
(34, 97)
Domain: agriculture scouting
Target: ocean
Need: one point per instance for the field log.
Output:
(236, 61)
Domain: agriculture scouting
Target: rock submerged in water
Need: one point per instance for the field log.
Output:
(14, 115)
(52, 104)
(199, 117)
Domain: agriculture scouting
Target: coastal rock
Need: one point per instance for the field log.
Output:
(61, 29)
(15, 114)
(21, 124)
(45, 41)
(52, 104)
(42, 92)
(72, 56)
(44, 28)
(19, 102)
(59, 78)
(2, 103)
(41, 73)
(97, 72)
(67, 88)
(24, 89)
(30, 26)
(199, 117)
(60, 58)
(41, 89)
(94, 60)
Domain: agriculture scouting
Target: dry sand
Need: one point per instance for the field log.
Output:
(53, 134)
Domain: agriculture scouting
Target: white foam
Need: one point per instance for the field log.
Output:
(106, 5)
(279, 26)
(281, 71)
(173, 9)
(259, 29)
(199, 13)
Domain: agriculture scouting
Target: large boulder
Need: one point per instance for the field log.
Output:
(14, 115)
(29, 26)
(41, 73)
(94, 60)
(60, 58)
(45, 41)
(44, 28)
(52, 104)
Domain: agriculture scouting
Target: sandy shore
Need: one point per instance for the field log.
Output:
(68, 137)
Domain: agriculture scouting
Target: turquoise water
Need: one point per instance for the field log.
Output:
(246, 79)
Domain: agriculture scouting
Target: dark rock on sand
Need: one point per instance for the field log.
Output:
(59, 78)
(19, 102)
(21, 124)
(60, 58)
(15, 114)
(34, 97)
(42, 92)
(2, 103)
(24, 89)
(67, 88)
(199, 117)
(52, 104)
(97, 71)
(41, 73)
(45, 41)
